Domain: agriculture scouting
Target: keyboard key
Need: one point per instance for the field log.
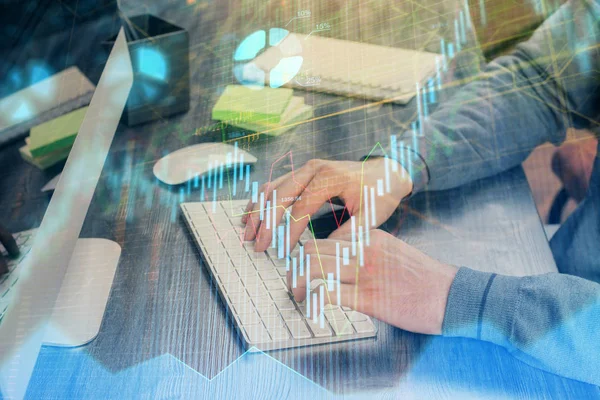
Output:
(355, 316)
(267, 311)
(247, 271)
(317, 331)
(335, 314)
(249, 318)
(257, 334)
(244, 308)
(257, 291)
(342, 328)
(195, 208)
(298, 329)
(254, 256)
(240, 260)
(263, 265)
(273, 323)
(269, 275)
(279, 333)
(233, 287)
(252, 280)
(291, 315)
(266, 299)
(281, 271)
(214, 249)
(202, 223)
(221, 258)
(229, 208)
(239, 297)
(232, 241)
(273, 285)
(227, 278)
(364, 326)
(279, 294)
(222, 225)
(225, 267)
(285, 304)
(211, 244)
(236, 250)
(272, 252)
(280, 263)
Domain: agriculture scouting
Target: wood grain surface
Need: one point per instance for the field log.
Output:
(164, 303)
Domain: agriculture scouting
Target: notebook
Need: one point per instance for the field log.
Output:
(55, 134)
(354, 69)
(252, 105)
(50, 98)
(47, 160)
(296, 112)
(51, 142)
(247, 108)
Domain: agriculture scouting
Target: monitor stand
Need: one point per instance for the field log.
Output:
(83, 296)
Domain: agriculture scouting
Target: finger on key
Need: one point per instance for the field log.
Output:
(319, 247)
(303, 210)
(349, 297)
(287, 192)
(324, 270)
(253, 219)
(267, 189)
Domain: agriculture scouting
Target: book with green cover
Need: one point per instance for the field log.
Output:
(55, 134)
(297, 112)
(241, 104)
(47, 160)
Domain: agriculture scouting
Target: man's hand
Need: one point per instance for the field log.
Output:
(317, 182)
(398, 284)
(7, 240)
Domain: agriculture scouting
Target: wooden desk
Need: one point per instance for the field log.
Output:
(165, 331)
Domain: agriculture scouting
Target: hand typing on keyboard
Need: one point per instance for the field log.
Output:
(10, 248)
(385, 277)
(316, 183)
(398, 284)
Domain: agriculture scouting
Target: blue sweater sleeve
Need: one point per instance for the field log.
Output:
(518, 102)
(548, 321)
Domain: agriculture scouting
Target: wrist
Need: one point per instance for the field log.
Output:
(401, 181)
(439, 301)
(402, 175)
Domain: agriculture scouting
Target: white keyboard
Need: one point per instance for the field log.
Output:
(8, 281)
(253, 285)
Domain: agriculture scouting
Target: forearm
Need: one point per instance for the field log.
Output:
(547, 321)
(522, 100)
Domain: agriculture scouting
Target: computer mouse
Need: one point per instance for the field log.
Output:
(184, 164)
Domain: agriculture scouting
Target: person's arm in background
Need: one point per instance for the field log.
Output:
(520, 101)
(548, 84)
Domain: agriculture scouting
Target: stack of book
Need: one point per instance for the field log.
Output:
(51, 142)
(266, 110)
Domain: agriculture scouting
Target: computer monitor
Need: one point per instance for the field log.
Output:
(22, 328)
